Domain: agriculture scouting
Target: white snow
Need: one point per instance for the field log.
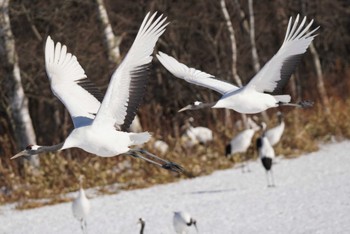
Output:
(312, 196)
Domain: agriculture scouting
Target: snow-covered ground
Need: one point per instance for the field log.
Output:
(312, 196)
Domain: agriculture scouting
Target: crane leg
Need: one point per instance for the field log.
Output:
(272, 179)
(301, 104)
(267, 178)
(83, 226)
(139, 153)
(245, 164)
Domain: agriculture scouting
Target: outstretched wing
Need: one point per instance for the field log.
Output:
(276, 72)
(127, 86)
(70, 84)
(194, 76)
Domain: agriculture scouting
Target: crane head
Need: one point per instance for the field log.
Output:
(196, 105)
(28, 151)
(194, 222)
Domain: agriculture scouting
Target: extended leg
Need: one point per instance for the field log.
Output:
(163, 163)
(301, 104)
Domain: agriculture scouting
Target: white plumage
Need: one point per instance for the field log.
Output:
(101, 124)
(197, 135)
(262, 92)
(182, 222)
(161, 146)
(241, 142)
(200, 134)
(274, 134)
(81, 207)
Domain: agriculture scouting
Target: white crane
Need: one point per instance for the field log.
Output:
(81, 207)
(201, 135)
(262, 91)
(266, 154)
(143, 224)
(101, 124)
(241, 142)
(182, 221)
(274, 134)
(161, 146)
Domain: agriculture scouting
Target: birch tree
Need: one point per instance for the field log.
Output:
(17, 101)
(255, 57)
(234, 58)
(320, 81)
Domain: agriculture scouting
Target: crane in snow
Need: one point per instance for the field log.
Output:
(266, 155)
(182, 221)
(81, 207)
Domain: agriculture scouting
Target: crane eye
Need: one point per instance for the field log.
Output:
(29, 147)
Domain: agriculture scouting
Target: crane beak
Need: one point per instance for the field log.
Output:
(188, 107)
(20, 154)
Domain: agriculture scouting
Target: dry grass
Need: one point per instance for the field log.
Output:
(58, 174)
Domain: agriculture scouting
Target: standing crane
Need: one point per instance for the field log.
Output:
(81, 207)
(182, 221)
(101, 123)
(266, 155)
(263, 90)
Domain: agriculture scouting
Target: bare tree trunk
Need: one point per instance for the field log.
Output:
(233, 43)
(241, 16)
(255, 57)
(112, 41)
(17, 101)
(234, 61)
(320, 83)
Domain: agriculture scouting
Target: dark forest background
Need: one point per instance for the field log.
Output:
(197, 36)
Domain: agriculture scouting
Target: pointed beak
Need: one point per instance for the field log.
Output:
(188, 107)
(20, 154)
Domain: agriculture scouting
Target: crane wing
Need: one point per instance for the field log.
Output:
(127, 86)
(70, 84)
(194, 76)
(276, 72)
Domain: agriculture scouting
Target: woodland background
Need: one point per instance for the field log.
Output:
(198, 35)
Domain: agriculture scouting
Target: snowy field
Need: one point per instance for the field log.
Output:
(312, 196)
